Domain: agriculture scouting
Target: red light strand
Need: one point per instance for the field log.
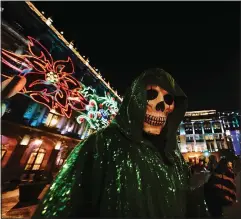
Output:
(53, 95)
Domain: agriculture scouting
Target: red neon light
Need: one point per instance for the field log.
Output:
(63, 95)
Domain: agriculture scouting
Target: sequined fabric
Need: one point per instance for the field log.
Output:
(118, 173)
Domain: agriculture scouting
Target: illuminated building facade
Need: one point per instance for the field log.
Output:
(63, 100)
(231, 124)
(206, 132)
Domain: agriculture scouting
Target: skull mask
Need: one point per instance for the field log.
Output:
(159, 105)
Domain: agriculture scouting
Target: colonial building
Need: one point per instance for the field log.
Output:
(231, 123)
(63, 101)
(207, 132)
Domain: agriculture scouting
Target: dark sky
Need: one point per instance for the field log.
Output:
(197, 42)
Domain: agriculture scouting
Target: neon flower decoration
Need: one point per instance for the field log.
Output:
(110, 103)
(48, 82)
(100, 110)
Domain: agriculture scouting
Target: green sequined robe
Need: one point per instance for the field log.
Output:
(116, 172)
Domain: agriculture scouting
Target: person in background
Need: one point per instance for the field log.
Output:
(199, 166)
(212, 163)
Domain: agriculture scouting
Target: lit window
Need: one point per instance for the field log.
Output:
(52, 120)
(59, 161)
(216, 126)
(208, 137)
(62, 155)
(35, 160)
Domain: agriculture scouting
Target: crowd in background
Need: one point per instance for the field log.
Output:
(232, 164)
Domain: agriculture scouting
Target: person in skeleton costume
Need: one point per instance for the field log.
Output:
(132, 168)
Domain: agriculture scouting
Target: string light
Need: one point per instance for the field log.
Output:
(68, 44)
(52, 87)
(71, 45)
(100, 110)
(49, 21)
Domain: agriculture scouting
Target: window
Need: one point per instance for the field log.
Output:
(209, 137)
(199, 138)
(217, 127)
(61, 157)
(198, 128)
(207, 127)
(59, 161)
(188, 129)
(35, 160)
(52, 120)
(219, 137)
(189, 138)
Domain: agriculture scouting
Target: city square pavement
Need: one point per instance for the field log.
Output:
(12, 209)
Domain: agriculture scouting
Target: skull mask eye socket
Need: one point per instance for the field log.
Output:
(151, 94)
(168, 98)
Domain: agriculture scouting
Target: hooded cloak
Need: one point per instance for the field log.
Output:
(119, 172)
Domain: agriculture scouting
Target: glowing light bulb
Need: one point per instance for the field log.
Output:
(71, 45)
(49, 21)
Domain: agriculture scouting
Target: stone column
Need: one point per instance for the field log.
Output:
(205, 142)
(194, 139)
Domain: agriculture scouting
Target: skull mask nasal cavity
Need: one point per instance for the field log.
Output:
(159, 104)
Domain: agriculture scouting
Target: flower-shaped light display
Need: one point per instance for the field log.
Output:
(48, 82)
(100, 110)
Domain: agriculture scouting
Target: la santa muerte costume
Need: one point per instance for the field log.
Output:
(132, 168)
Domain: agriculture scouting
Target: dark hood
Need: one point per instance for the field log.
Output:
(132, 111)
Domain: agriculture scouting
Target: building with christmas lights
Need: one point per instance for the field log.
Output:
(207, 132)
(62, 100)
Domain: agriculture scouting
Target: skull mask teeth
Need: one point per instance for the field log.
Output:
(159, 104)
(155, 121)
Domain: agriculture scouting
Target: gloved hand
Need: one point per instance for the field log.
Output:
(220, 190)
(224, 186)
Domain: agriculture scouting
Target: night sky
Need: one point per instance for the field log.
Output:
(198, 43)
